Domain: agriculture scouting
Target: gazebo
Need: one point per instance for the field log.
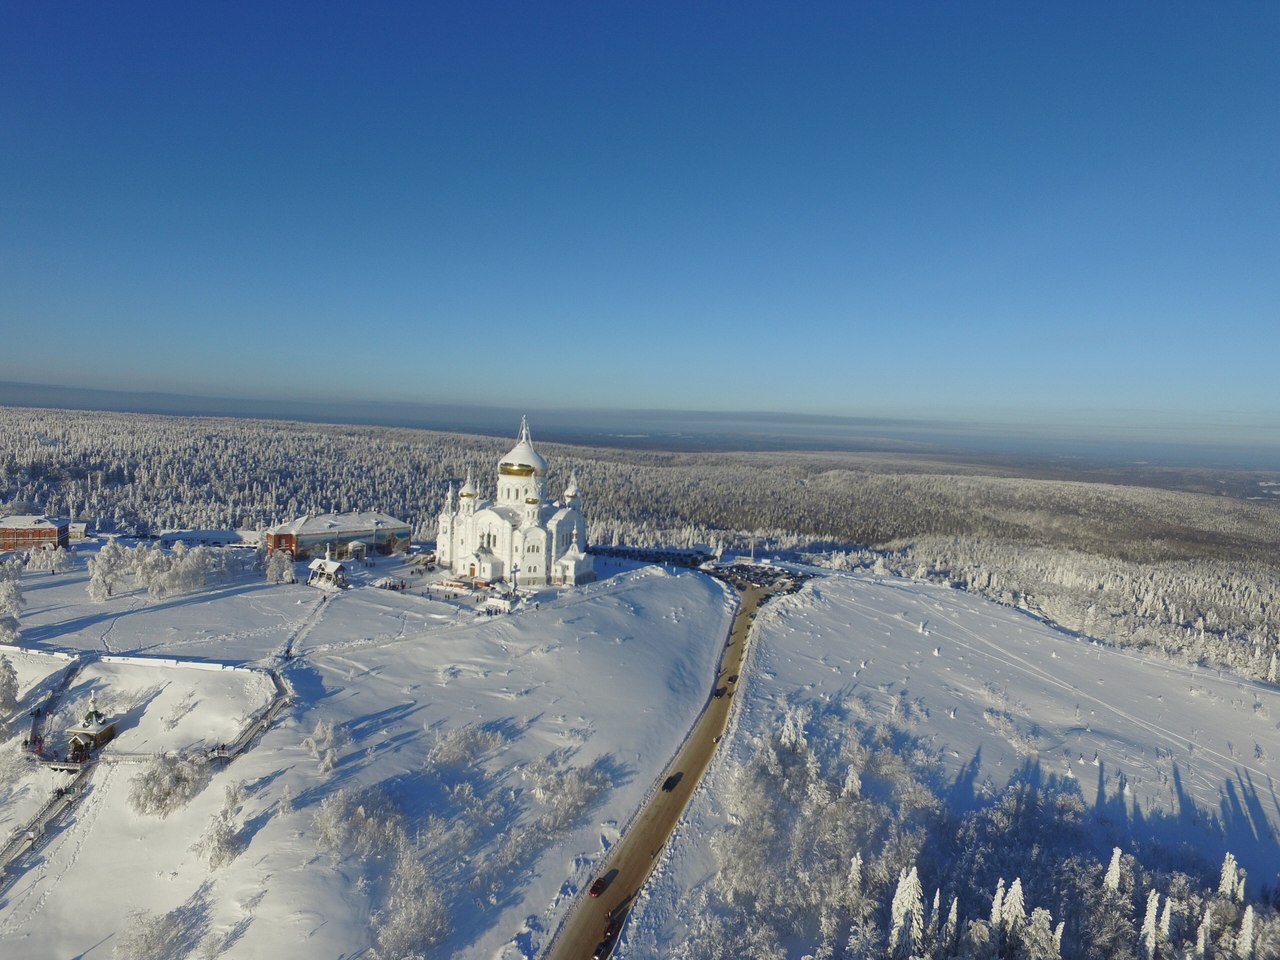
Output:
(96, 730)
(327, 574)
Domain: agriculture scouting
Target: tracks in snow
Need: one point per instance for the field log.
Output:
(70, 840)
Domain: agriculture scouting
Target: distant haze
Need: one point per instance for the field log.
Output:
(1228, 445)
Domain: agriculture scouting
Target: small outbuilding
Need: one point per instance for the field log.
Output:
(84, 738)
(327, 574)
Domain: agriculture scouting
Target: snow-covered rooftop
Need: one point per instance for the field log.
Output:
(339, 524)
(28, 522)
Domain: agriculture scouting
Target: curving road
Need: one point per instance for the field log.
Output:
(633, 857)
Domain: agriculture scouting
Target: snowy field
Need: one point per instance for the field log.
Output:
(1164, 754)
(229, 623)
(509, 749)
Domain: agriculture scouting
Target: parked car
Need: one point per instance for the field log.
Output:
(669, 784)
(597, 888)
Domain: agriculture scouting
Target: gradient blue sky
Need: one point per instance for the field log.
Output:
(925, 209)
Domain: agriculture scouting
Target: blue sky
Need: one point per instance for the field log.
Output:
(991, 210)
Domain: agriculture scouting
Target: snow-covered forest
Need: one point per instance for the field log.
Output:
(789, 866)
(1182, 571)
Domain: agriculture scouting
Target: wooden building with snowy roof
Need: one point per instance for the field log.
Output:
(342, 534)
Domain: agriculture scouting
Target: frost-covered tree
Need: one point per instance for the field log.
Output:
(279, 568)
(107, 570)
(49, 561)
(1244, 940)
(149, 562)
(10, 605)
(186, 571)
(1038, 940)
(8, 687)
(1231, 879)
(1149, 926)
(906, 921)
(951, 928)
(166, 785)
(1204, 935)
(1013, 912)
(997, 906)
(11, 601)
(1111, 881)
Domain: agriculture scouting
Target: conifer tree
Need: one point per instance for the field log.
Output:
(906, 923)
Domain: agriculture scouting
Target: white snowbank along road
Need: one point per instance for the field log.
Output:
(518, 535)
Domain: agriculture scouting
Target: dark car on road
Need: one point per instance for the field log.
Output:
(605, 946)
(669, 784)
(597, 888)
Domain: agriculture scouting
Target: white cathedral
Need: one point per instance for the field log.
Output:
(518, 536)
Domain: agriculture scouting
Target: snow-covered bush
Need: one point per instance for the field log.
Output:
(166, 785)
(158, 936)
(413, 918)
(220, 843)
(364, 822)
(568, 795)
(325, 736)
(368, 824)
(463, 745)
(323, 744)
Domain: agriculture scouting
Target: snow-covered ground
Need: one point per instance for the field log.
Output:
(605, 679)
(1162, 752)
(466, 726)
